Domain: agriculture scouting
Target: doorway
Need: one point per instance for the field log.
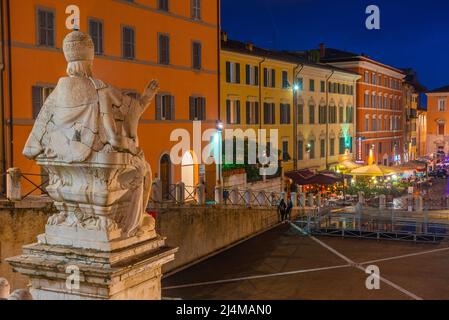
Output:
(165, 176)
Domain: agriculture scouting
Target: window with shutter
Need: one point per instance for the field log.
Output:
(192, 111)
(285, 152)
(256, 113)
(228, 71)
(322, 114)
(197, 108)
(265, 77)
(237, 120)
(165, 107)
(332, 147)
(322, 148)
(248, 74)
(203, 109)
(128, 39)
(233, 112)
(341, 115)
(196, 56)
(96, 33)
(228, 111)
(311, 114)
(158, 109)
(285, 83)
(266, 113)
(312, 85)
(273, 78)
(256, 76)
(39, 95)
(164, 49)
(237, 73)
(253, 112)
(163, 5)
(300, 114)
(46, 27)
(342, 145)
(172, 108)
(37, 100)
(312, 149)
(273, 113)
(232, 72)
(285, 113)
(196, 9)
(300, 150)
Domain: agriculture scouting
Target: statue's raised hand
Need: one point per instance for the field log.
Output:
(152, 89)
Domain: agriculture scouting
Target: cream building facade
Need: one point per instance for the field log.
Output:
(326, 100)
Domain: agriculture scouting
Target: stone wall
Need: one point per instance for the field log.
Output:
(269, 185)
(239, 181)
(20, 223)
(197, 231)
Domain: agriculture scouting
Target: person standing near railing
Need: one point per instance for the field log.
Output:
(282, 209)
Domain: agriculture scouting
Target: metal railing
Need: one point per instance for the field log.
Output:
(378, 224)
(36, 186)
(14, 184)
(248, 197)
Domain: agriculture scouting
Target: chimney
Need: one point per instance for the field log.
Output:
(224, 36)
(250, 46)
(322, 50)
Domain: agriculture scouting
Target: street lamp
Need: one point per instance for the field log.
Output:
(219, 152)
(295, 124)
(219, 126)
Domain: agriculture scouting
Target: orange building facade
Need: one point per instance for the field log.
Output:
(173, 41)
(438, 121)
(380, 123)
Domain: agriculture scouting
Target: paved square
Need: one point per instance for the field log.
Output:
(284, 264)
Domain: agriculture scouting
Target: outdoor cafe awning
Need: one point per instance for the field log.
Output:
(299, 177)
(374, 170)
(324, 179)
(349, 165)
(414, 165)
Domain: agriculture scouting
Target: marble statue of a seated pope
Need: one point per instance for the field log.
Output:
(89, 128)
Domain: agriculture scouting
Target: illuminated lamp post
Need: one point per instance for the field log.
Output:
(219, 150)
(371, 155)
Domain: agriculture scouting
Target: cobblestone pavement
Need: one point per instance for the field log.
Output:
(284, 264)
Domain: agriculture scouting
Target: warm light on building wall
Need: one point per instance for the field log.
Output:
(371, 156)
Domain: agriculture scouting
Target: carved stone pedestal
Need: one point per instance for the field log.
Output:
(130, 270)
(85, 137)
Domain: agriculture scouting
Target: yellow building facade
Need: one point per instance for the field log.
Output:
(421, 134)
(256, 93)
(311, 105)
(411, 90)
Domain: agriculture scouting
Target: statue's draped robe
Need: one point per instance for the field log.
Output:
(85, 115)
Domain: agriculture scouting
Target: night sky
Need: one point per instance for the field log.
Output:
(413, 33)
